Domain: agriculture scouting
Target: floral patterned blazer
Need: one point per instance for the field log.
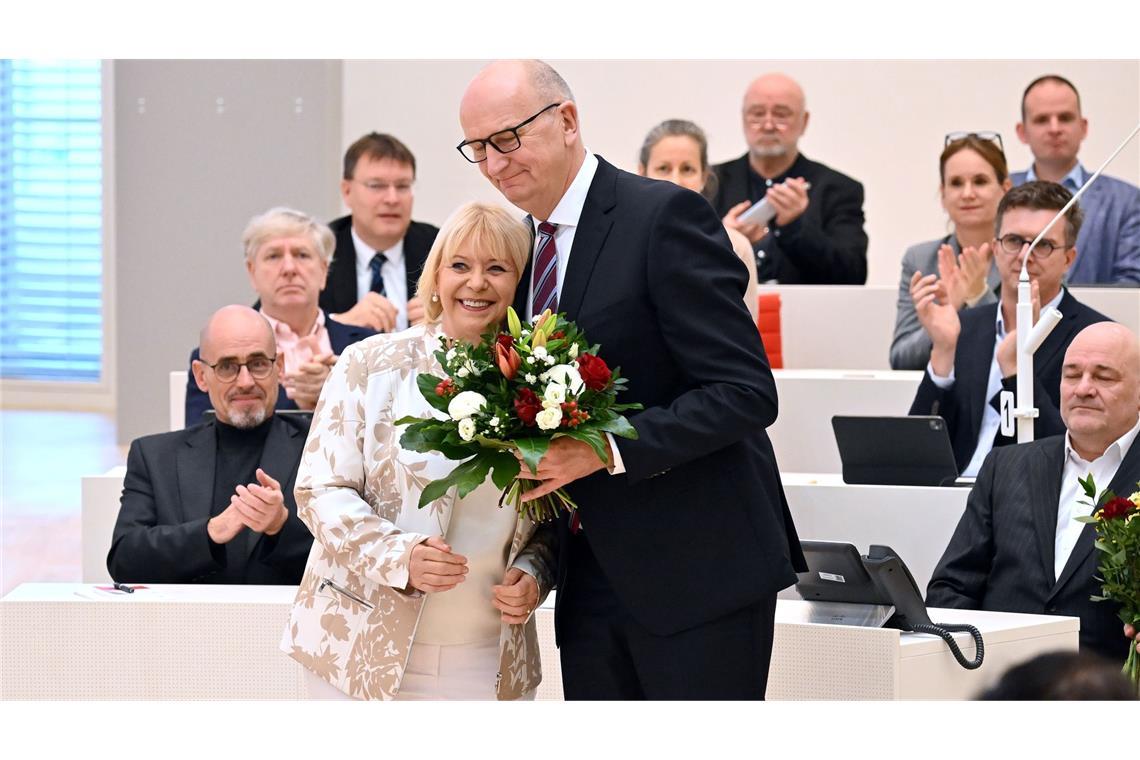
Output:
(353, 621)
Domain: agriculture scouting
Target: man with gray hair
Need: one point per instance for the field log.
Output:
(214, 503)
(668, 572)
(816, 236)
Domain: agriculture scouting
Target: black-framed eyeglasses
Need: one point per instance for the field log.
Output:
(1013, 243)
(227, 370)
(505, 141)
(994, 137)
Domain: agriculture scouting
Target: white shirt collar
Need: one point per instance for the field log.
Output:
(1122, 444)
(365, 252)
(1053, 304)
(569, 208)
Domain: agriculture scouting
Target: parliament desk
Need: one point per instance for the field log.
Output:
(75, 641)
(851, 326)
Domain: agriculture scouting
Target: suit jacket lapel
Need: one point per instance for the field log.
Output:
(416, 247)
(593, 226)
(735, 183)
(522, 292)
(195, 466)
(1044, 481)
(1123, 483)
(973, 369)
(279, 451)
(342, 278)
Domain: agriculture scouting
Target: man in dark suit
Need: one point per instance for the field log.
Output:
(1018, 546)
(667, 579)
(380, 251)
(214, 503)
(974, 354)
(287, 257)
(817, 234)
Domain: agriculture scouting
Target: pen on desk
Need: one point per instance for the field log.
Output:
(123, 587)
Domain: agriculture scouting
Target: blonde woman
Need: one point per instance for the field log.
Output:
(399, 602)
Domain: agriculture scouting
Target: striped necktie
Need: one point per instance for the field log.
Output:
(545, 274)
(377, 279)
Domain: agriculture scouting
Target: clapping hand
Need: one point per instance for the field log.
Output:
(964, 275)
(1007, 350)
(938, 318)
(305, 384)
(790, 199)
(261, 505)
(754, 232)
(373, 311)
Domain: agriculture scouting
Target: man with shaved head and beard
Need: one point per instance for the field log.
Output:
(214, 503)
(1018, 546)
(816, 237)
(668, 571)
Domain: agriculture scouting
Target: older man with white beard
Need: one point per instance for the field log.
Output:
(214, 503)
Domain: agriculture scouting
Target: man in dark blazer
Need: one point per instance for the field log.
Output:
(1018, 547)
(974, 356)
(214, 503)
(377, 187)
(817, 234)
(667, 579)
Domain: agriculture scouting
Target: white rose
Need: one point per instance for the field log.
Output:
(555, 393)
(465, 404)
(549, 419)
(574, 351)
(467, 429)
(461, 372)
(564, 374)
(450, 355)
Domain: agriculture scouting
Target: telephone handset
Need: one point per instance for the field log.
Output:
(836, 573)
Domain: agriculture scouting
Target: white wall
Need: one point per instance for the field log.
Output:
(881, 122)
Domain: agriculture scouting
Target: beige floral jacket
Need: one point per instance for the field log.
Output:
(357, 491)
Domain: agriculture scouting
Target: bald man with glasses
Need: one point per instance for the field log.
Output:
(974, 353)
(214, 503)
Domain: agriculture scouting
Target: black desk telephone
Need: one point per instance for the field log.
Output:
(836, 573)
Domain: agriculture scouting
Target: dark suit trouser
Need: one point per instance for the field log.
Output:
(606, 654)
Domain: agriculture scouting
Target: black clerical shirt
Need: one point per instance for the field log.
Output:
(239, 451)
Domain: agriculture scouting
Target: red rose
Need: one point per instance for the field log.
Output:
(1116, 509)
(595, 374)
(527, 406)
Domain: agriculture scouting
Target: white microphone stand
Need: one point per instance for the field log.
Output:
(1030, 336)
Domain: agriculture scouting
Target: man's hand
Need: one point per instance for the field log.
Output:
(790, 199)
(753, 232)
(261, 505)
(224, 527)
(516, 597)
(565, 461)
(434, 568)
(1006, 353)
(964, 275)
(374, 311)
(938, 318)
(1132, 633)
(415, 310)
(305, 384)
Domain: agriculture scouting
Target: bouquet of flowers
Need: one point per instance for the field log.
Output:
(1117, 522)
(515, 392)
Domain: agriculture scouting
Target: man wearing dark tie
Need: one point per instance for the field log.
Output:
(1018, 546)
(380, 251)
(667, 584)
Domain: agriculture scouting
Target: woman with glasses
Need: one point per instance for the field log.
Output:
(399, 602)
(973, 178)
(287, 257)
(676, 150)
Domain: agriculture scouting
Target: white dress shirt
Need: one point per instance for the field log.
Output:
(991, 420)
(566, 215)
(393, 272)
(1103, 469)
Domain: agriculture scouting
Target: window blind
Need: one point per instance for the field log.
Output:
(51, 189)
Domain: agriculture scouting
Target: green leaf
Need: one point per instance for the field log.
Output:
(434, 490)
(1088, 486)
(592, 437)
(492, 443)
(620, 427)
(427, 384)
(471, 474)
(532, 450)
(506, 467)
(1086, 519)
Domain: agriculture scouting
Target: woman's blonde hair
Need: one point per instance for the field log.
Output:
(485, 226)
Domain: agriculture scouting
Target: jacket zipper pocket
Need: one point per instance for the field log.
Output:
(344, 591)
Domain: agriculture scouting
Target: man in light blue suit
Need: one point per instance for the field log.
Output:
(1053, 128)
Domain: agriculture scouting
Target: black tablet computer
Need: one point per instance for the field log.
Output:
(895, 451)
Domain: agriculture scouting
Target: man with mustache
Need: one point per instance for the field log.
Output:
(214, 503)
